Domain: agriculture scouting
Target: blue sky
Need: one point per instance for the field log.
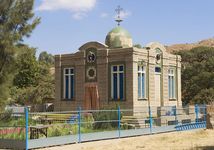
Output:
(68, 24)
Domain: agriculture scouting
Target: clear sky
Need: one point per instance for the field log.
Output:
(68, 24)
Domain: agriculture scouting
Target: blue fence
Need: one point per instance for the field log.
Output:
(58, 128)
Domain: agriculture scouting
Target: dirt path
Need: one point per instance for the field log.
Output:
(196, 139)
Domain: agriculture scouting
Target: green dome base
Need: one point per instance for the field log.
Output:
(118, 38)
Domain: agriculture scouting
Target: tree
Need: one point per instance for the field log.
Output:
(28, 69)
(16, 22)
(14, 25)
(137, 45)
(205, 96)
(33, 82)
(41, 93)
(46, 58)
(197, 75)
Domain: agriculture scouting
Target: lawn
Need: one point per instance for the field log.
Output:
(13, 127)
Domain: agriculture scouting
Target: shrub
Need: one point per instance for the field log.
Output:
(13, 133)
(106, 119)
(6, 116)
(55, 131)
(87, 120)
(126, 126)
(61, 130)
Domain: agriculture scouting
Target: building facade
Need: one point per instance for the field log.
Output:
(101, 75)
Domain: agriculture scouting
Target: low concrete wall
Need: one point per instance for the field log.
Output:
(12, 144)
(210, 117)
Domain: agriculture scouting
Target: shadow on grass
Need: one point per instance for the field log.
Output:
(204, 148)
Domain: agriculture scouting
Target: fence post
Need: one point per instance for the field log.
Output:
(118, 111)
(26, 128)
(196, 112)
(150, 119)
(79, 124)
(175, 111)
(205, 115)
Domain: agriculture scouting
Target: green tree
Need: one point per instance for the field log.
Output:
(14, 25)
(197, 75)
(46, 58)
(41, 93)
(16, 22)
(205, 96)
(28, 69)
(137, 45)
(33, 82)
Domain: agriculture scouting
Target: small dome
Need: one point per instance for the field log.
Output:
(118, 38)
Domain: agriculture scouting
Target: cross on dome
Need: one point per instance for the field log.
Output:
(118, 18)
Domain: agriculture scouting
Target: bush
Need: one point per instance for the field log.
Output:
(87, 121)
(16, 133)
(61, 130)
(55, 131)
(106, 119)
(6, 116)
(126, 126)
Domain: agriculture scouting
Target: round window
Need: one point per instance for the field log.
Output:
(91, 73)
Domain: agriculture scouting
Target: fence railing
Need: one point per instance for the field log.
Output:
(33, 130)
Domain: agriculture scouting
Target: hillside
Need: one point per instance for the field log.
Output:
(180, 47)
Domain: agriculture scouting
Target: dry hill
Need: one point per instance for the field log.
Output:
(180, 47)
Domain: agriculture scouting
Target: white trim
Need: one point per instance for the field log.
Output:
(64, 83)
(69, 86)
(112, 78)
(118, 85)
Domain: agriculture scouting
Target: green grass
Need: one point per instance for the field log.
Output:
(15, 135)
(60, 129)
(16, 121)
(13, 123)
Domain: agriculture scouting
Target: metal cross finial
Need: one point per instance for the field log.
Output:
(118, 19)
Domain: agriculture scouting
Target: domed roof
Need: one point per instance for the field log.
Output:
(118, 38)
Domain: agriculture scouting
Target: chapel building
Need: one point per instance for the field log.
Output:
(100, 76)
